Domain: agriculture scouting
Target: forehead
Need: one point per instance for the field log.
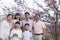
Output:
(10, 16)
(17, 24)
(26, 14)
(17, 15)
(37, 16)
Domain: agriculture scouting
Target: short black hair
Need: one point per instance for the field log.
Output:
(37, 14)
(17, 14)
(27, 13)
(27, 24)
(17, 22)
(9, 15)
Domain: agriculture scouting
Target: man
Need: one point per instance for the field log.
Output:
(38, 28)
(5, 27)
(27, 20)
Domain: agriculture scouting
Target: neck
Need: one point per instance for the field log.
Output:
(37, 20)
(26, 29)
(26, 19)
(17, 19)
(9, 21)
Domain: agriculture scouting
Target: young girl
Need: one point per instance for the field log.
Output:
(26, 34)
(16, 33)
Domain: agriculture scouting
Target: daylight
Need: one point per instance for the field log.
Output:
(48, 12)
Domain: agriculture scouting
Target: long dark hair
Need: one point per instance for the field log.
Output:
(17, 14)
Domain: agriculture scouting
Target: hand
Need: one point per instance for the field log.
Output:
(15, 35)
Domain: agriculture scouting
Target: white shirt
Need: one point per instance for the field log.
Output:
(5, 29)
(27, 35)
(18, 32)
(30, 22)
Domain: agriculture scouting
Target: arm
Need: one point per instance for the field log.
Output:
(44, 30)
(12, 33)
(31, 37)
(33, 29)
(2, 30)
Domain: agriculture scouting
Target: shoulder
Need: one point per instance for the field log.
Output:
(4, 22)
(19, 30)
(13, 30)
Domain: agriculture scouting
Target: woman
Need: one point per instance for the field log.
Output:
(17, 18)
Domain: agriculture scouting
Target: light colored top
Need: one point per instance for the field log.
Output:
(27, 35)
(5, 29)
(30, 22)
(38, 27)
(16, 31)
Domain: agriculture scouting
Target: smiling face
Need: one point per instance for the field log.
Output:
(18, 17)
(37, 17)
(26, 27)
(9, 18)
(27, 16)
(17, 26)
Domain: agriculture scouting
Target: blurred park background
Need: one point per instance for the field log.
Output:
(49, 11)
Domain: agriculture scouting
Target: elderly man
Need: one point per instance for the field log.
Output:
(38, 28)
(5, 28)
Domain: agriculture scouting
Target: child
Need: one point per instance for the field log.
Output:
(16, 33)
(26, 34)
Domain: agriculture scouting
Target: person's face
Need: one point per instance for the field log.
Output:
(27, 16)
(18, 17)
(27, 27)
(37, 17)
(17, 26)
(9, 18)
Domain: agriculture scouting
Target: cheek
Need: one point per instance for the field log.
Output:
(10, 17)
(18, 25)
(37, 17)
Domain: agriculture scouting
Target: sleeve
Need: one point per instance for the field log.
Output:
(12, 32)
(43, 24)
(2, 29)
(20, 35)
